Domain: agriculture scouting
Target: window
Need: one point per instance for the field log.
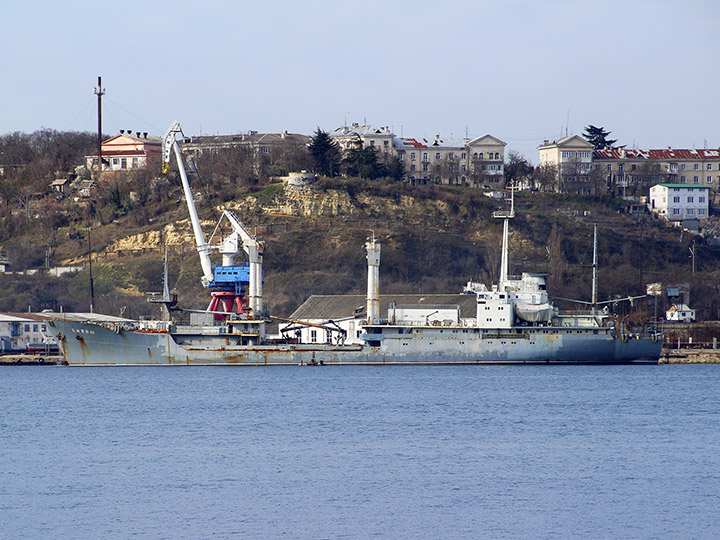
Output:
(497, 155)
(682, 166)
(690, 212)
(480, 155)
(696, 179)
(682, 179)
(676, 199)
(425, 157)
(35, 327)
(633, 167)
(123, 163)
(609, 167)
(676, 211)
(372, 143)
(697, 166)
(709, 179)
(313, 336)
(462, 168)
(701, 199)
(425, 166)
(412, 156)
(412, 167)
(115, 161)
(709, 166)
(27, 327)
(474, 155)
(134, 162)
(450, 155)
(437, 155)
(463, 155)
(385, 143)
(701, 211)
(264, 149)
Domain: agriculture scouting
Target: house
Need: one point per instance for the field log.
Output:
(348, 313)
(60, 185)
(126, 152)
(678, 202)
(680, 313)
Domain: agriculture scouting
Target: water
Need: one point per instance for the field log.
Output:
(360, 452)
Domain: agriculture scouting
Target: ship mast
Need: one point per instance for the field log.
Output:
(373, 290)
(504, 258)
(595, 271)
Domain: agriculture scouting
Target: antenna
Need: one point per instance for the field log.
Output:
(99, 92)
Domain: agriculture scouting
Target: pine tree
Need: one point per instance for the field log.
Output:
(325, 153)
(598, 137)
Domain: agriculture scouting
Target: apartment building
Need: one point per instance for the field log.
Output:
(677, 202)
(635, 170)
(571, 159)
(475, 162)
(362, 136)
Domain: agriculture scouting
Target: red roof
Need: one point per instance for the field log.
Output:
(665, 154)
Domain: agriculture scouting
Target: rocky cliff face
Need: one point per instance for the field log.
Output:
(299, 202)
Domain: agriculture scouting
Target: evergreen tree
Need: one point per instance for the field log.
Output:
(598, 137)
(325, 153)
(363, 162)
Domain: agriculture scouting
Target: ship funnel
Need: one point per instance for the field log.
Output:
(373, 292)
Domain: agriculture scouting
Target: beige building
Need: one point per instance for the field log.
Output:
(570, 158)
(127, 151)
(452, 161)
(475, 162)
(633, 171)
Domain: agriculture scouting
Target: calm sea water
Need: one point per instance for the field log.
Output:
(360, 452)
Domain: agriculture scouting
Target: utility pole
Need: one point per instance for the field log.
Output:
(99, 92)
(692, 251)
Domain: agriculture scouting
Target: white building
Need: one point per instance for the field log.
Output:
(676, 202)
(680, 313)
(17, 333)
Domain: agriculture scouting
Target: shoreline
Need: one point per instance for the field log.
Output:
(668, 356)
(32, 360)
(690, 356)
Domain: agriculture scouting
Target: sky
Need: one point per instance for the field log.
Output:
(521, 70)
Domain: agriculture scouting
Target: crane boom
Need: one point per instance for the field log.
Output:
(170, 145)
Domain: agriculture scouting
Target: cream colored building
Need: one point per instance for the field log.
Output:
(572, 158)
(475, 162)
(127, 151)
(636, 170)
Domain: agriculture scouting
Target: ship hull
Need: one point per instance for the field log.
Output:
(89, 344)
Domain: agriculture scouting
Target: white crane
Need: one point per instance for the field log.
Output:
(229, 247)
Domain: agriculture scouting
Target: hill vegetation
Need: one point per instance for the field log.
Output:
(434, 238)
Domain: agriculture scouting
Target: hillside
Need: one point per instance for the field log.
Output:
(434, 239)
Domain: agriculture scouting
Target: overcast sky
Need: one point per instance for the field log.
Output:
(523, 71)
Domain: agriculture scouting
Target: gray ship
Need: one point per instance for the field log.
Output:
(511, 322)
